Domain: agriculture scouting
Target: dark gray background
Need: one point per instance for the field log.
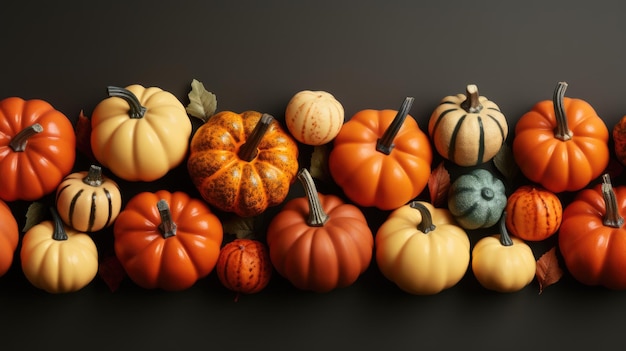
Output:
(256, 55)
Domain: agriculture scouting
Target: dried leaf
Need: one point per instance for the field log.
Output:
(35, 214)
(319, 163)
(112, 272)
(83, 135)
(548, 270)
(438, 185)
(202, 103)
(505, 163)
(240, 227)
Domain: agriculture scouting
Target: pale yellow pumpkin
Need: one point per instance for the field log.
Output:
(314, 117)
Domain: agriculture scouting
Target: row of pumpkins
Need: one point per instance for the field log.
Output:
(244, 163)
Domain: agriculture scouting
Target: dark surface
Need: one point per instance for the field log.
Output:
(255, 56)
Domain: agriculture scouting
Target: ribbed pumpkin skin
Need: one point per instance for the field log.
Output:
(9, 238)
(534, 213)
(244, 266)
(314, 117)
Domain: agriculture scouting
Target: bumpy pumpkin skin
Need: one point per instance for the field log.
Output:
(231, 184)
(244, 266)
(314, 117)
(9, 238)
(534, 213)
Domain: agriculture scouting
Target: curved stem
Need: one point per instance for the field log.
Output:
(249, 149)
(94, 176)
(426, 225)
(167, 226)
(385, 143)
(59, 232)
(472, 102)
(317, 216)
(562, 131)
(612, 217)
(505, 238)
(19, 141)
(136, 109)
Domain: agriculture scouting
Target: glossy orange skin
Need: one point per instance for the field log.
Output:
(534, 213)
(174, 263)
(374, 179)
(592, 251)
(49, 155)
(231, 184)
(244, 266)
(322, 258)
(9, 238)
(556, 164)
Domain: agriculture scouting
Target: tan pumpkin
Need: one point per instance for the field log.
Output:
(88, 201)
(314, 117)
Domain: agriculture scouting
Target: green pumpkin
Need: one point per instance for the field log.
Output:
(477, 199)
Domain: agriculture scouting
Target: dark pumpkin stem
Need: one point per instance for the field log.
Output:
(19, 141)
(136, 109)
(472, 102)
(426, 225)
(385, 143)
(612, 218)
(249, 149)
(505, 238)
(317, 216)
(59, 232)
(94, 176)
(167, 226)
(562, 131)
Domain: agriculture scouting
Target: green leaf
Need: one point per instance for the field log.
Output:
(202, 103)
(35, 214)
(240, 227)
(319, 163)
(505, 163)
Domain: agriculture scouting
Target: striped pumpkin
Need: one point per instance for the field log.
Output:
(468, 129)
(534, 213)
(88, 201)
(244, 266)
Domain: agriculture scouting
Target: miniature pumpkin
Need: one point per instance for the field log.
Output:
(244, 266)
(476, 199)
(242, 162)
(381, 158)
(167, 240)
(422, 249)
(619, 140)
(535, 213)
(57, 258)
(314, 117)
(561, 144)
(592, 237)
(468, 129)
(502, 262)
(318, 242)
(9, 238)
(88, 201)
(140, 133)
(37, 148)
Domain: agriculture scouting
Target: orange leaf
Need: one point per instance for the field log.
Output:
(83, 135)
(438, 185)
(548, 270)
(112, 272)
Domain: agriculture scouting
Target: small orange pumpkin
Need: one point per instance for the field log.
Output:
(244, 266)
(9, 238)
(534, 213)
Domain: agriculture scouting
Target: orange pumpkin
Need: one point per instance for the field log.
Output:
(37, 148)
(244, 266)
(619, 140)
(561, 144)
(9, 238)
(242, 162)
(534, 213)
(381, 158)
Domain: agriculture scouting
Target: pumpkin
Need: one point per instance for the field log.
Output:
(561, 144)
(242, 162)
(535, 213)
(502, 262)
(381, 158)
(57, 258)
(244, 266)
(140, 133)
(422, 249)
(9, 237)
(37, 148)
(592, 237)
(88, 201)
(167, 240)
(468, 129)
(314, 117)
(318, 242)
(619, 140)
(476, 199)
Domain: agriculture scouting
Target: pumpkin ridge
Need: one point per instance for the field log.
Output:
(237, 282)
(455, 132)
(440, 118)
(495, 120)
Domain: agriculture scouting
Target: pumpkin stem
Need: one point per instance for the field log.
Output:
(562, 131)
(59, 232)
(19, 141)
(426, 225)
(612, 217)
(317, 216)
(385, 143)
(94, 176)
(167, 226)
(472, 102)
(136, 109)
(505, 238)
(249, 149)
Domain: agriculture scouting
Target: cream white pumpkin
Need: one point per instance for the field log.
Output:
(314, 117)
